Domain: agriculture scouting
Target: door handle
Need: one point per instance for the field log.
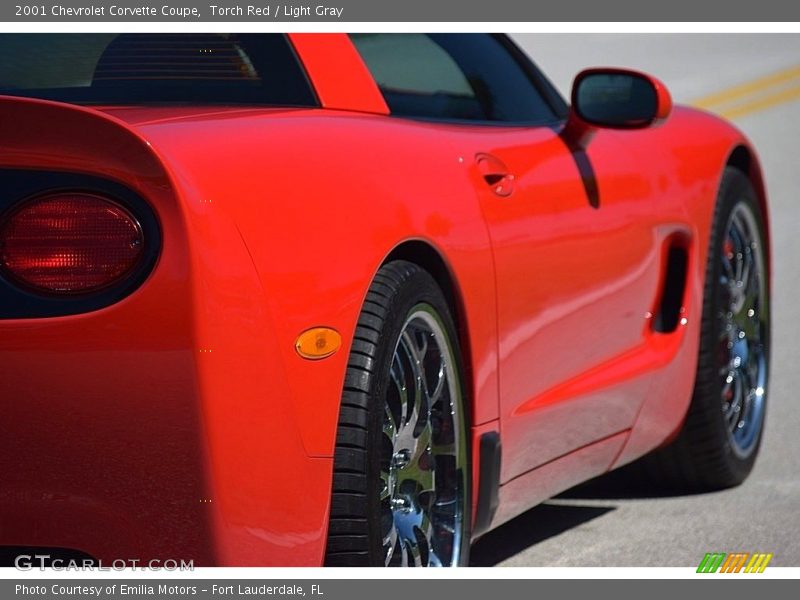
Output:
(495, 174)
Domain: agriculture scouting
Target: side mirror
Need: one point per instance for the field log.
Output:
(619, 98)
(615, 98)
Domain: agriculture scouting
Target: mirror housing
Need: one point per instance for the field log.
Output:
(617, 99)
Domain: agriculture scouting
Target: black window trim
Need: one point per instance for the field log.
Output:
(546, 89)
(306, 76)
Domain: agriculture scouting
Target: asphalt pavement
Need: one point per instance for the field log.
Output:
(755, 81)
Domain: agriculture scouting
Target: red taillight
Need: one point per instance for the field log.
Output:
(69, 243)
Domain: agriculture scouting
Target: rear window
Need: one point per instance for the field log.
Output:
(99, 68)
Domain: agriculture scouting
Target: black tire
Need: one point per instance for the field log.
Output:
(365, 455)
(704, 455)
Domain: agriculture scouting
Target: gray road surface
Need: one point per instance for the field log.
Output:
(602, 527)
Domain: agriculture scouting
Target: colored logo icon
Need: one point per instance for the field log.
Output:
(737, 562)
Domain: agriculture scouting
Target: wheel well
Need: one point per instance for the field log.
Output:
(741, 159)
(426, 256)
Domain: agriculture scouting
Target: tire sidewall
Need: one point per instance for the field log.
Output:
(418, 288)
(735, 188)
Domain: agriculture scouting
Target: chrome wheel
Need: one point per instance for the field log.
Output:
(719, 441)
(743, 322)
(423, 454)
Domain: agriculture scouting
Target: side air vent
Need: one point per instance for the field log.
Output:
(669, 307)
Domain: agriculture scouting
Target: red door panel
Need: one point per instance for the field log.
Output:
(575, 250)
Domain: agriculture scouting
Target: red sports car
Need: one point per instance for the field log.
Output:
(317, 299)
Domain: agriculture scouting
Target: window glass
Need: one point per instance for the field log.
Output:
(153, 68)
(451, 76)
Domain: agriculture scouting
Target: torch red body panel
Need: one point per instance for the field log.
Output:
(180, 422)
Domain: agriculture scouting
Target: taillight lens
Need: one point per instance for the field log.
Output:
(69, 243)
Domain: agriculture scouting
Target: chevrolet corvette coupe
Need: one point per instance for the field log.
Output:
(319, 299)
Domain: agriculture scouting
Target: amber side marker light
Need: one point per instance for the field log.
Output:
(318, 342)
(69, 243)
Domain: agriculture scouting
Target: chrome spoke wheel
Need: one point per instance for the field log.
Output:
(423, 454)
(742, 319)
(719, 440)
(401, 476)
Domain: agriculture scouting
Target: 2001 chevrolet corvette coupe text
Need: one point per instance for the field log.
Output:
(355, 300)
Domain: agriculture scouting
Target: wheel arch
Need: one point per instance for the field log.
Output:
(745, 159)
(429, 258)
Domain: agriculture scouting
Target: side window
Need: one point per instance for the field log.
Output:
(451, 77)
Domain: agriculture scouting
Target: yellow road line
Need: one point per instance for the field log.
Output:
(761, 103)
(747, 88)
